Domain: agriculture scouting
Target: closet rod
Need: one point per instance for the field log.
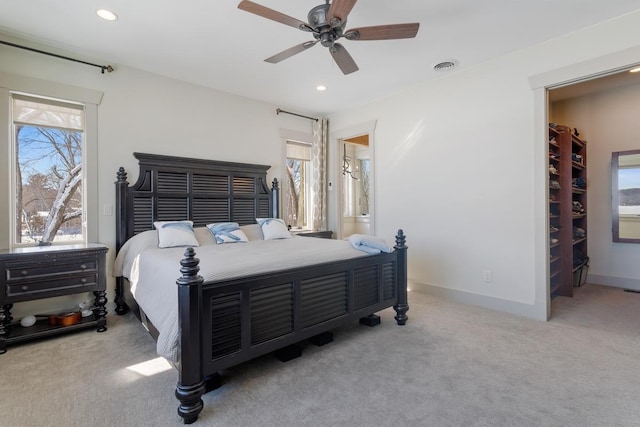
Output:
(278, 111)
(109, 68)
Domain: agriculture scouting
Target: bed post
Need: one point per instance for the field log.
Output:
(121, 233)
(275, 199)
(191, 385)
(402, 306)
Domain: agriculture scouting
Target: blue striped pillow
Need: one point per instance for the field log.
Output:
(227, 232)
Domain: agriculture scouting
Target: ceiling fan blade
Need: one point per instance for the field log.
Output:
(383, 32)
(274, 15)
(288, 53)
(343, 59)
(340, 9)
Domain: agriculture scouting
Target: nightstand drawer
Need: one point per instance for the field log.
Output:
(54, 286)
(17, 271)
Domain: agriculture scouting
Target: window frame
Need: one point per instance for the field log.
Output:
(308, 186)
(13, 180)
(42, 88)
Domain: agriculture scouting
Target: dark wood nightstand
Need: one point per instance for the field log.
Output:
(322, 234)
(34, 273)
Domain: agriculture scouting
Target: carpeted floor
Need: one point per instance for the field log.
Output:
(451, 365)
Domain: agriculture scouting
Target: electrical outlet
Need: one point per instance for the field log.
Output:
(107, 209)
(486, 275)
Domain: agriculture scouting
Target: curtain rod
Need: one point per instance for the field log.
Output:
(109, 68)
(278, 111)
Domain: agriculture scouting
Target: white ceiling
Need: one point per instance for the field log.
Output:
(214, 44)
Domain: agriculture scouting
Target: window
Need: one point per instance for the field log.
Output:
(298, 185)
(48, 173)
(629, 190)
(356, 171)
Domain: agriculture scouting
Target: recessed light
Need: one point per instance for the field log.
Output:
(321, 88)
(635, 70)
(107, 15)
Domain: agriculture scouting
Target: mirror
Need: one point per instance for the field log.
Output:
(625, 189)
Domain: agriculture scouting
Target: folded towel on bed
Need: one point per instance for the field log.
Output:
(369, 244)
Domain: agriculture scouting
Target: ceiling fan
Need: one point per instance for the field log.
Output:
(327, 23)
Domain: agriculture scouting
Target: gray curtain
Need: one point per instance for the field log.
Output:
(319, 164)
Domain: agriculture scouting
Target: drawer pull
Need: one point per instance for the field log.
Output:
(83, 281)
(83, 266)
(24, 272)
(24, 288)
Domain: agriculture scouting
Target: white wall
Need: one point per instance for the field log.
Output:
(143, 112)
(457, 162)
(459, 168)
(608, 121)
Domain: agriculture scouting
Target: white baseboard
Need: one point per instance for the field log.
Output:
(616, 282)
(533, 311)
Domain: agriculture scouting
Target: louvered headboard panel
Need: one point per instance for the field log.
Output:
(177, 188)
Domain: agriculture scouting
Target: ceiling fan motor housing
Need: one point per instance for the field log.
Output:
(324, 31)
(318, 18)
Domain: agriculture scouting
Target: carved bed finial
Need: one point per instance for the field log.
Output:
(189, 268)
(401, 239)
(275, 184)
(122, 175)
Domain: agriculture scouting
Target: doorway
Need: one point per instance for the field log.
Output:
(602, 111)
(358, 140)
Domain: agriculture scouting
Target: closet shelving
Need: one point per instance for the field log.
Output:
(555, 244)
(567, 209)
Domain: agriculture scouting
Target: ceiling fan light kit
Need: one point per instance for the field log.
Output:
(327, 23)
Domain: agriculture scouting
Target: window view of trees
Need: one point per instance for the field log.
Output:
(48, 172)
(365, 170)
(295, 212)
(356, 180)
(298, 185)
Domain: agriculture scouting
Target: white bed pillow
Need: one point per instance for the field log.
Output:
(175, 233)
(252, 231)
(204, 236)
(273, 228)
(227, 232)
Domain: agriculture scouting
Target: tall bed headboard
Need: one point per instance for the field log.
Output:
(173, 188)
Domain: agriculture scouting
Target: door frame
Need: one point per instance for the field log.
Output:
(337, 139)
(540, 84)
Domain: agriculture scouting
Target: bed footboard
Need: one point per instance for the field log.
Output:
(226, 323)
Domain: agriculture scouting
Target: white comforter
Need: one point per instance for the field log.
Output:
(153, 272)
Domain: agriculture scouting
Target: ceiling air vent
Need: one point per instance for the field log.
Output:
(445, 66)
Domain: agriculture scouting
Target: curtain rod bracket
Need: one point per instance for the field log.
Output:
(278, 111)
(108, 68)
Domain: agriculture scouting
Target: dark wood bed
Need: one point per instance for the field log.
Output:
(228, 322)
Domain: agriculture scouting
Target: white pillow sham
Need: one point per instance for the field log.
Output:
(175, 233)
(273, 228)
